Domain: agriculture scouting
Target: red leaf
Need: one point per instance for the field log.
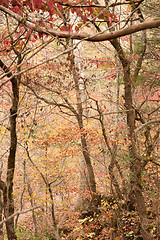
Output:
(65, 28)
(90, 9)
(14, 3)
(40, 35)
(17, 34)
(28, 33)
(72, 10)
(35, 36)
(110, 19)
(50, 4)
(28, 4)
(101, 16)
(38, 3)
(84, 18)
(16, 9)
(6, 41)
(4, 3)
(3, 35)
(59, 7)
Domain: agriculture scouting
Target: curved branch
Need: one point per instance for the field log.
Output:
(84, 36)
(147, 124)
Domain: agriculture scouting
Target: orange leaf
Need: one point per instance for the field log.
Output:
(110, 214)
(129, 6)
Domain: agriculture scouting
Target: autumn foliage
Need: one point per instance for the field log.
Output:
(79, 127)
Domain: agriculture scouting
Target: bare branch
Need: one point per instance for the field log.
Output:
(84, 36)
(157, 163)
(147, 124)
(19, 212)
(98, 6)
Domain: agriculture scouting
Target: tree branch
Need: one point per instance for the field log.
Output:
(19, 212)
(98, 6)
(146, 124)
(84, 36)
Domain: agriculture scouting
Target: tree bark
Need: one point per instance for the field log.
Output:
(85, 150)
(135, 162)
(8, 189)
(8, 195)
(1, 205)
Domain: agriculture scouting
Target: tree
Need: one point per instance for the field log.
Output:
(29, 20)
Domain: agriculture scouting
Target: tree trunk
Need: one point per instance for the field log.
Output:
(8, 195)
(1, 206)
(85, 150)
(135, 162)
(7, 187)
(81, 103)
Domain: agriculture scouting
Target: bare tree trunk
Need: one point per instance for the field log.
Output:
(1, 206)
(135, 162)
(8, 189)
(114, 181)
(82, 99)
(22, 193)
(85, 150)
(32, 205)
(8, 196)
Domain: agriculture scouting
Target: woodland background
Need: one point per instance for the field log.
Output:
(79, 119)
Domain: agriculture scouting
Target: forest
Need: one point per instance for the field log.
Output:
(79, 119)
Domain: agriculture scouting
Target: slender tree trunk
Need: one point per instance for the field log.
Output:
(32, 205)
(135, 162)
(85, 150)
(8, 195)
(1, 227)
(1, 206)
(7, 187)
(114, 181)
(82, 102)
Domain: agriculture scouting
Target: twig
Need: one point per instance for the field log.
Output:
(19, 212)
(147, 124)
